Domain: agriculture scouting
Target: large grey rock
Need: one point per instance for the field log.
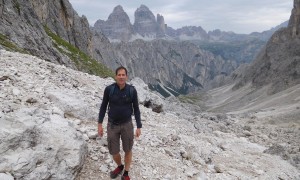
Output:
(40, 145)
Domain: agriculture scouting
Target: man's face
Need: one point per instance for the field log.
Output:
(121, 77)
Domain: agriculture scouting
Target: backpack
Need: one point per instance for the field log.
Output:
(112, 89)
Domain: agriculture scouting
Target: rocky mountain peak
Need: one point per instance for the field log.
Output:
(117, 26)
(143, 8)
(118, 9)
(294, 22)
(145, 23)
(161, 26)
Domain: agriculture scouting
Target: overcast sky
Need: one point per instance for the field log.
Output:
(239, 16)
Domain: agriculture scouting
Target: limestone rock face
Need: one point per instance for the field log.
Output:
(62, 19)
(145, 23)
(181, 66)
(117, 26)
(161, 26)
(294, 23)
(24, 24)
(20, 24)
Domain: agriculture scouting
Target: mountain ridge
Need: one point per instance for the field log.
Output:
(147, 27)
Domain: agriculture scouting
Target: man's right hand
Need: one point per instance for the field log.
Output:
(100, 130)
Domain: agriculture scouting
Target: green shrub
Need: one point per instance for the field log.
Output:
(10, 46)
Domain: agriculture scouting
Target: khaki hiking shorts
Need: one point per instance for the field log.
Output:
(117, 132)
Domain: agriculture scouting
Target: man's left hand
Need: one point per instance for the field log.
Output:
(138, 132)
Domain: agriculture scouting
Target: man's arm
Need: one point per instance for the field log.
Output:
(137, 113)
(102, 111)
(103, 106)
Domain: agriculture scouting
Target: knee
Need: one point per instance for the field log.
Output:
(128, 153)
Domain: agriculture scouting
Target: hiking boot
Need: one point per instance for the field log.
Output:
(116, 172)
(125, 178)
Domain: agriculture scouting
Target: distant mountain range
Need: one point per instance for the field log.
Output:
(240, 48)
(148, 27)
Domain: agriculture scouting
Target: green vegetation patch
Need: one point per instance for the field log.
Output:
(10, 46)
(196, 98)
(17, 6)
(82, 61)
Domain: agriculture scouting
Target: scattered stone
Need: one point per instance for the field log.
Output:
(95, 158)
(92, 134)
(16, 92)
(275, 149)
(86, 137)
(170, 146)
(103, 168)
(3, 78)
(218, 168)
(31, 100)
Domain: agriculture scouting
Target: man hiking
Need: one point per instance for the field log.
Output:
(122, 100)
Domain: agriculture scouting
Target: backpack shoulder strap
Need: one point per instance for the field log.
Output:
(111, 92)
(131, 89)
(112, 89)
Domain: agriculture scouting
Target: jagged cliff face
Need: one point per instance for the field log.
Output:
(181, 66)
(117, 26)
(24, 22)
(294, 23)
(51, 30)
(20, 24)
(61, 18)
(161, 26)
(278, 64)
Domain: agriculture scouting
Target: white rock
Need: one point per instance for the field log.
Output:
(86, 137)
(16, 91)
(6, 176)
(95, 158)
(92, 134)
(103, 168)
(56, 110)
(103, 149)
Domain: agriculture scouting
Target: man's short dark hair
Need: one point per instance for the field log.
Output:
(119, 68)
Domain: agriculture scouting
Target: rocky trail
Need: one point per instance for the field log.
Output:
(48, 130)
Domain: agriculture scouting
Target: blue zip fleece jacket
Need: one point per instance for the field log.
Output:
(121, 106)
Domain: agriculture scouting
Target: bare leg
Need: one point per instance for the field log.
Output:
(128, 159)
(117, 159)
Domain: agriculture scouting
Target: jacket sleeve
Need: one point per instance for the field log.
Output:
(137, 113)
(104, 104)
